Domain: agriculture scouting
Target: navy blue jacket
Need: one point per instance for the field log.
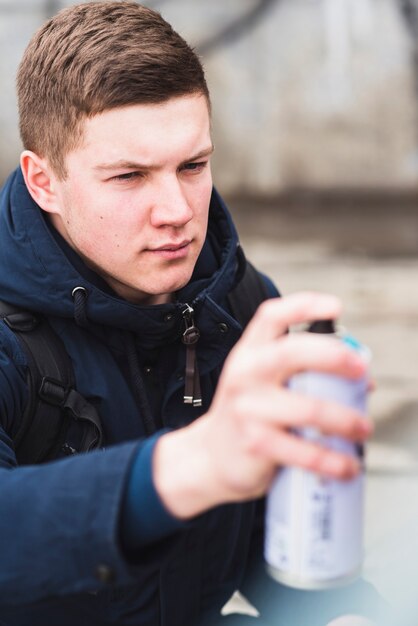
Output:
(75, 547)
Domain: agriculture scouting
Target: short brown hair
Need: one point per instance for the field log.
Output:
(93, 57)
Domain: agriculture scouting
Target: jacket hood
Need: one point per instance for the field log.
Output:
(40, 271)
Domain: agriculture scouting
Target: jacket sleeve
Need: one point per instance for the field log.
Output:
(60, 521)
(139, 530)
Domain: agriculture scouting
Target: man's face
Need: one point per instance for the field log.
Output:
(135, 201)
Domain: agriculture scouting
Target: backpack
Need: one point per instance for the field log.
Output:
(53, 401)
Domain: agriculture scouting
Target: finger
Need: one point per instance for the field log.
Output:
(286, 449)
(305, 351)
(290, 410)
(274, 316)
(277, 361)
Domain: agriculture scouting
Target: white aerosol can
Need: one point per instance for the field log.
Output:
(314, 525)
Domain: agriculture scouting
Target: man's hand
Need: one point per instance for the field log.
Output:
(233, 451)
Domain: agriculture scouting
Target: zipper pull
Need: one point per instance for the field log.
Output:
(192, 392)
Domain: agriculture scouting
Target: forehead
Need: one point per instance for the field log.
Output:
(172, 129)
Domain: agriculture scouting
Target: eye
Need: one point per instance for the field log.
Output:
(127, 176)
(194, 167)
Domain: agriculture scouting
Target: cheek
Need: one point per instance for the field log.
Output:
(112, 230)
(93, 232)
(97, 225)
(202, 201)
(94, 216)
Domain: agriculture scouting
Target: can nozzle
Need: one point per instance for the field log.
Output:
(325, 327)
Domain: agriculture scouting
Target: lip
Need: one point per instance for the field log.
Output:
(172, 246)
(173, 250)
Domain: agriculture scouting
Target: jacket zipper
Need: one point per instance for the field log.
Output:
(190, 337)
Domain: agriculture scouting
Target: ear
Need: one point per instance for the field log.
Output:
(39, 179)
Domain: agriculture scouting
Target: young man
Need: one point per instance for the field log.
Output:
(111, 229)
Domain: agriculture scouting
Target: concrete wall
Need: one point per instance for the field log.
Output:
(308, 93)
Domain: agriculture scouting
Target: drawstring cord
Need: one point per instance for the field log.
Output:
(79, 295)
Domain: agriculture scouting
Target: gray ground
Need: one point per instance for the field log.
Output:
(365, 250)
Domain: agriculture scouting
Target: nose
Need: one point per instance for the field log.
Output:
(171, 206)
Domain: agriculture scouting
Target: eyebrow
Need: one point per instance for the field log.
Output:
(133, 165)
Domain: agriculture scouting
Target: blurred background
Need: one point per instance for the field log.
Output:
(315, 120)
(306, 93)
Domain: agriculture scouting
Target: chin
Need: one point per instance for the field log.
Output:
(175, 284)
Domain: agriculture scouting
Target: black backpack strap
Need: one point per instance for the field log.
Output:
(249, 293)
(53, 402)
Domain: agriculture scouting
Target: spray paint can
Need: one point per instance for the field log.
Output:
(314, 525)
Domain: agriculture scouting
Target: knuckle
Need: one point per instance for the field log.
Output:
(236, 371)
(349, 426)
(285, 352)
(314, 458)
(312, 412)
(348, 468)
(256, 442)
(241, 407)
